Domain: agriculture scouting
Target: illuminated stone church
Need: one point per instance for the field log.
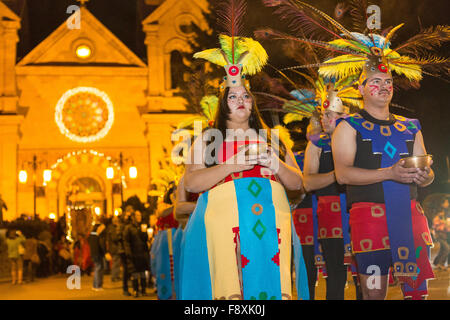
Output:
(83, 118)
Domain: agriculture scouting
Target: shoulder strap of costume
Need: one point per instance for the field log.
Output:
(412, 125)
(354, 120)
(300, 158)
(321, 140)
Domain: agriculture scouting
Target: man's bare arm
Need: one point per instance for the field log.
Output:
(313, 180)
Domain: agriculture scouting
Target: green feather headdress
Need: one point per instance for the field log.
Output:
(360, 53)
(239, 55)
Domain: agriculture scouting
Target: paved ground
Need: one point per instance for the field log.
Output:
(55, 288)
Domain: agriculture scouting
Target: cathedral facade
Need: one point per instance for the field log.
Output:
(83, 119)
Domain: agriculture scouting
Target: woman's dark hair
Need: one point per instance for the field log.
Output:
(255, 121)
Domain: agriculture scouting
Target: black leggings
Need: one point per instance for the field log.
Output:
(125, 275)
(333, 253)
(311, 269)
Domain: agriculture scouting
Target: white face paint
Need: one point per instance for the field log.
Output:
(240, 103)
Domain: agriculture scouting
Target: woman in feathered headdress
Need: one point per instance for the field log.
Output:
(237, 243)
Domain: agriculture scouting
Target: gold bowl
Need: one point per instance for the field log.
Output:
(257, 149)
(418, 161)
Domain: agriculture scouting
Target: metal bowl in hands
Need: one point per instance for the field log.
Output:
(256, 149)
(418, 161)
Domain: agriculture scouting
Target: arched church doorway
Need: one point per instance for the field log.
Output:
(81, 191)
(86, 203)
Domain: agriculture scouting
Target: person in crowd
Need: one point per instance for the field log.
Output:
(46, 238)
(63, 255)
(113, 244)
(97, 244)
(129, 210)
(30, 258)
(137, 253)
(15, 242)
(43, 269)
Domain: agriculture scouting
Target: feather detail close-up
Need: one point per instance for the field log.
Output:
(230, 20)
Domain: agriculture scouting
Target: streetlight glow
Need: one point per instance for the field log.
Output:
(132, 172)
(110, 173)
(23, 176)
(47, 175)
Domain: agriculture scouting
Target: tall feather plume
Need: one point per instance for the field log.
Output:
(302, 23)
(276, 35)
(427, 39)
(334, 23)
(230, 19)
(271, 3)
(390, 35)
(358, 14)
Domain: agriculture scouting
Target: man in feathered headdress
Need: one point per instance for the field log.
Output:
(387, 224)
(388, 227)
(332, 215)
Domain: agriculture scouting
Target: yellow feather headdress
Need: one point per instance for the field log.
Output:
(239, 56)
(360, 53)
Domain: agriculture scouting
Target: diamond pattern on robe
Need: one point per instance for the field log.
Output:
(254, 188)
(390, 150)
(259, 229)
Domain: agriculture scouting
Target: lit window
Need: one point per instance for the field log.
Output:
(83, 52)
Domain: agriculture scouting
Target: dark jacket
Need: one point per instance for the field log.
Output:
(114, 239)
(136, 248)
(97, 243)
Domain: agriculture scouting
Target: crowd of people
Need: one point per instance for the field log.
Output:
(36, 248)
(119, 246)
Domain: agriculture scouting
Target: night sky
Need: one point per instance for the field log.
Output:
(123, 17)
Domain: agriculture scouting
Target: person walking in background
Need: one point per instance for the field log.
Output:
(137, 253)
(125, 221)
(43, 269)
(15, 242)
(97, 245)
(30, 258)
(113, 244)
(63, 255)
